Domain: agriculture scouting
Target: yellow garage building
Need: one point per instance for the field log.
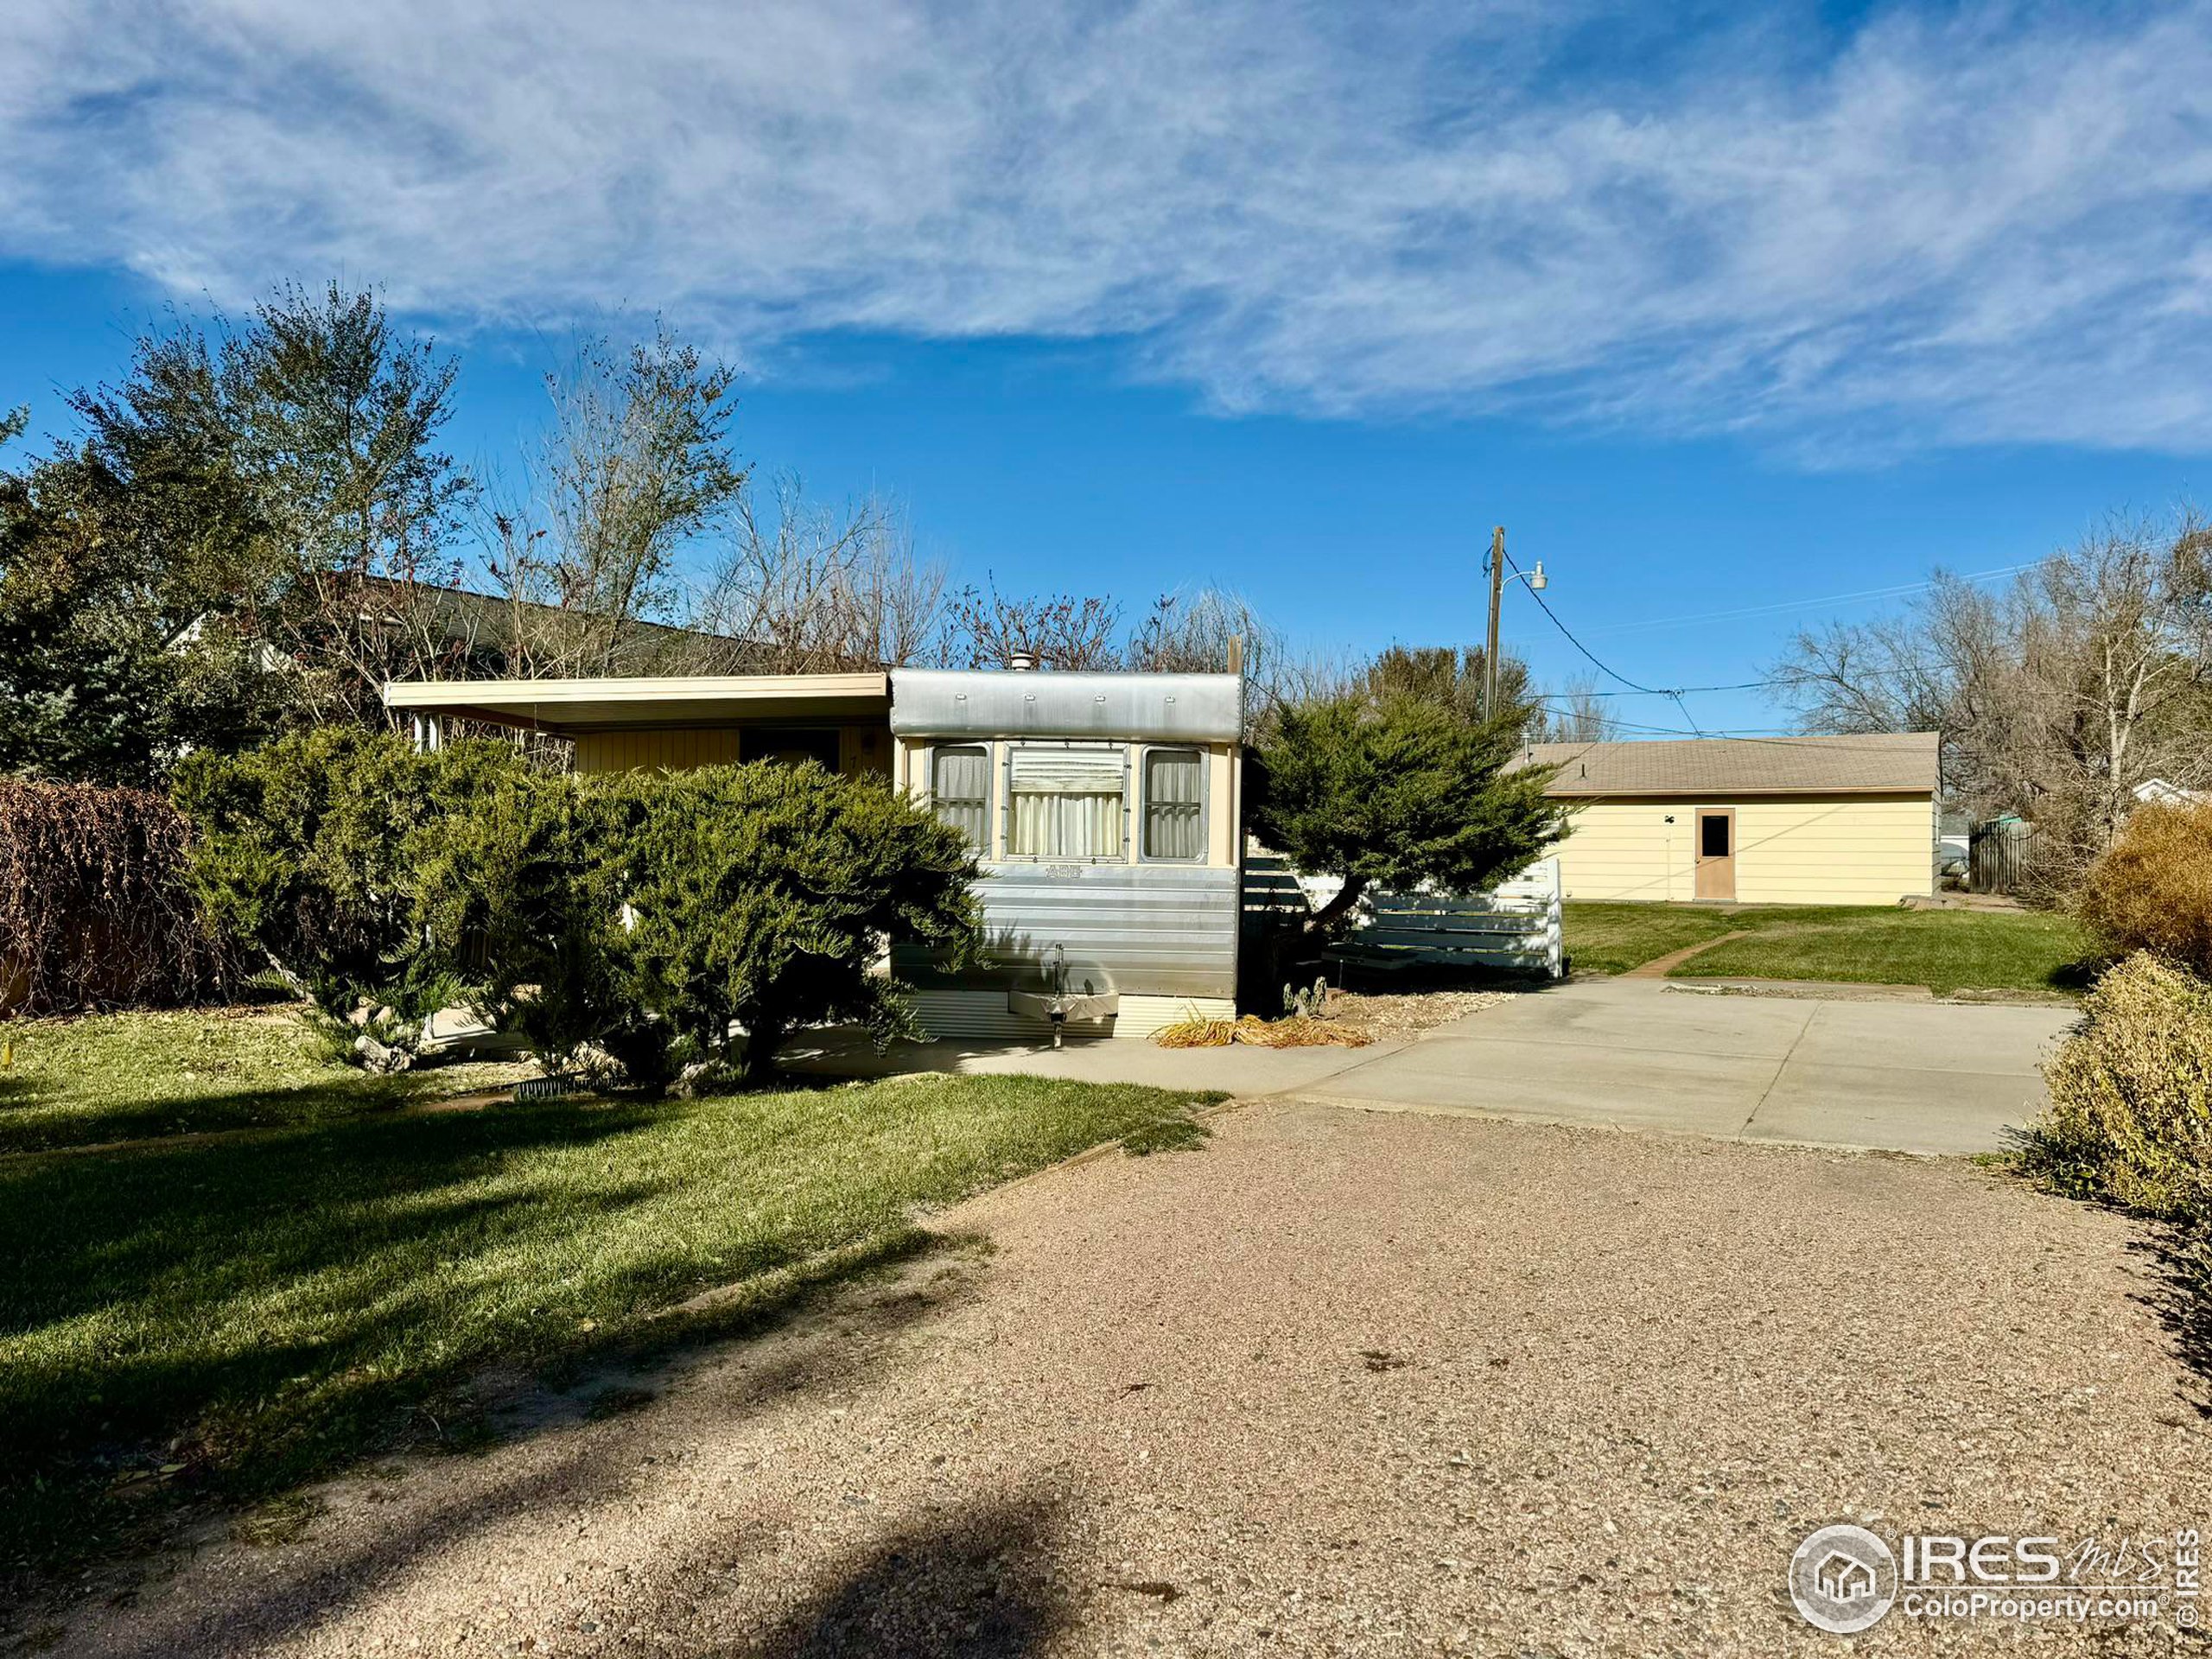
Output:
(1755, 821)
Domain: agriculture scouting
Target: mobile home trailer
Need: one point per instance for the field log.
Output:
(1106, 811)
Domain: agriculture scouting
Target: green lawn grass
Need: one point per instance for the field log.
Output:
(1612, 939)
(1944, 949)
(127, 1076)
(234, 1316)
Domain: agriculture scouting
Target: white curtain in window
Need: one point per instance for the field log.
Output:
(1067, 826)
(1174, 783)
(1067, 804)
(961, 791)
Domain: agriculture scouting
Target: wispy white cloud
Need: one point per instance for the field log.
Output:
(1994, 227)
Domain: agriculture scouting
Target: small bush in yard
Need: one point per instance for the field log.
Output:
(2131, 1092)
(2152, 890)
(307, 850)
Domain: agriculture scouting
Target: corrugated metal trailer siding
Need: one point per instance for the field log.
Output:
(1146, 931)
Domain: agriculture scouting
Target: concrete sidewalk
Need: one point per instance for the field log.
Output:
(1239, 1070)
(1903, 1076)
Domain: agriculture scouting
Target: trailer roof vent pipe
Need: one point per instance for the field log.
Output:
(1021, 661)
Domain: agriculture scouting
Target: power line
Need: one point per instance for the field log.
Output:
(1537, 593)
(1896, 591)
(1770, 735)
(1602, 667)
(1670, 691)
(1676, 694)
(1739, 685)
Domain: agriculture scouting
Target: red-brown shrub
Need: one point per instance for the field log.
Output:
(2153, 890)
(94, 910)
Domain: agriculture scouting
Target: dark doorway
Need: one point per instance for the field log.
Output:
(1716, 853)
(791, 744)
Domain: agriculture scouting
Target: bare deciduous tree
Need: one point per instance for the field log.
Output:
(1576, 715)
(1191, 633)
(635, 466)
(800, 589)
(988, 629)
(2090, 674)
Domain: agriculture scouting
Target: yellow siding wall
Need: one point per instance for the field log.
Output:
(667, 751)
(1224, 772)
(1837, 850)
(861, 749)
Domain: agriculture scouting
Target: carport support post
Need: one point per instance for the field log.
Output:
(1490, 640)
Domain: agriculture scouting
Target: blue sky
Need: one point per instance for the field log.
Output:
(1716, 311)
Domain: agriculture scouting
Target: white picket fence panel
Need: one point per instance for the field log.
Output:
(1517, 925)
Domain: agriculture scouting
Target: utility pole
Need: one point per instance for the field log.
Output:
(1490, 642)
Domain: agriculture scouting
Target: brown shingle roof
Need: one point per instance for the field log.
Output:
(1877, 763)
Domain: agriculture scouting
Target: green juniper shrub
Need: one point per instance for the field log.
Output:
(533, 879)
(2130, 1119)
(765, 895)
(686, 923)
(308, 850)
(1396, 789)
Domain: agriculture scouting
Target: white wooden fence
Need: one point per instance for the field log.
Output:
(1514, 926)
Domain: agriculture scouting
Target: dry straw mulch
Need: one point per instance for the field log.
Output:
(1297, 1031)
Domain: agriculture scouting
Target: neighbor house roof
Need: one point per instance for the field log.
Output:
(1877, 763)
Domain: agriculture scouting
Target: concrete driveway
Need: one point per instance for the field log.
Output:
(1909, 1076)
(1923, 1077)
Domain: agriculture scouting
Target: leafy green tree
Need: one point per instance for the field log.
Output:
(105, 673)
(321, 420)
(1447, 678)
(1395, 791)
(252, 530)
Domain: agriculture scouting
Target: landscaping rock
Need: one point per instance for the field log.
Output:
(382, 1056)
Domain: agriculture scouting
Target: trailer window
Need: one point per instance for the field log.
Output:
(1066, 803)
(1174, 804)
(960, 790)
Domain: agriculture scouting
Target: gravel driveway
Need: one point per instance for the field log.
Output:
(1341, 1383)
